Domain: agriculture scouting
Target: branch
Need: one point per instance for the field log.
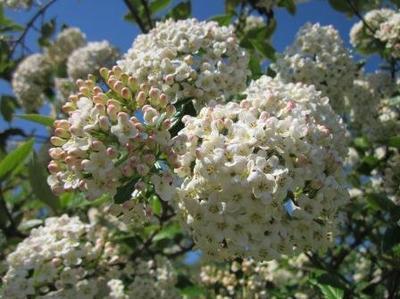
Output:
(358, 14)
(147, 12)
(135, 15)
(30, 25)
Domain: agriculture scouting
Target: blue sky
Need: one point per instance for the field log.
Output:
(103, 19)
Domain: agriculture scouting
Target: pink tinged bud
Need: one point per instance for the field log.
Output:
(68, 107)
(62, 123)
(56, 262)
(144, 87)
(56, 153)
(166, 125)
(57, 141)
(84, 90)
(117, 71)
(118, 86)
(85, 163)
(97, 90)
(97, 145)
(112, 112)
(70, 160)
(112, 81)
(62, 133)
(149, 159)
(245, 104)
(140, 186)
(290, 105)
(126, 93)
(141, 98)
(104, 123)
(80, 83)
(127, 170)
(154, 93)
(163, 100)
(112, 153)
(100, 98)
(53, 167)
(169, 79)
(142, 169)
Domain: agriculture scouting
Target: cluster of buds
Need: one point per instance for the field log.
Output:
(111, 138)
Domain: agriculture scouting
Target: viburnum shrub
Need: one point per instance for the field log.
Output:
(200, 162)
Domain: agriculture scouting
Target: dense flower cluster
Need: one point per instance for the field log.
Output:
(389, 33)
(30, 80)
(319, 57)
(154, 279)
(67, 41)
(249, 279)
(262, 178)
(89, 59)
(370, 113)
(17, 4)
(65, 258)
(110, 138)
(189, 59)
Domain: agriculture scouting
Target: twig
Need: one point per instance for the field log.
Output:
(358, 14)
(136, 16)
(12, 229)
(30, 25)
(147, 12)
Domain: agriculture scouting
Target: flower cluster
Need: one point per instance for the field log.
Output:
(264, 177)
(154, 279)
(370, 113)
(253, 22)
(389, 34)
(112, 138)
(30, 80)
(319, 57)
(17, 4)
(377, 30)
(250, 279)
(67, 41)
(90, 58)
(189, 59)
(65, 258)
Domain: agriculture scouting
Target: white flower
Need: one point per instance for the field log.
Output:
(17, 4)
(29, 81)
(189, 59)
(67, 41)
(259, 175)
(319, 57)
(90, 58)
(102, 144)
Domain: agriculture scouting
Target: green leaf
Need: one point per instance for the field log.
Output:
(168, 232)
(361, 143)
(290, 5)
(391, 238)
(193, 292)
(7, 106)
(342, 6)
(394, 142)
(181, 11)
(38, 179)
(37, 118)
(222, 20)
(264, 48)
(230, 6)
(395, 101)
(381, 202)
(330, 292)
(255, 67)
(124, 193)
(16, 158)
(47, 31)
(158, 5)
(155, 205)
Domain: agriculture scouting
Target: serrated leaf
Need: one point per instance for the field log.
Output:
(15, 158)
(38, 180)
(158, 5)
(37, 118)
